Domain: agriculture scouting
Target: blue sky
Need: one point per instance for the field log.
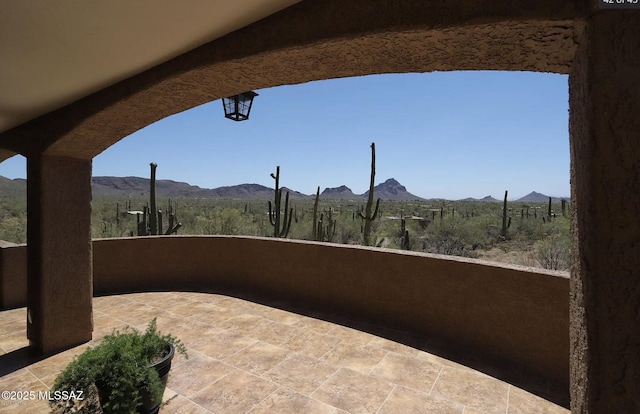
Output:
(442, 135)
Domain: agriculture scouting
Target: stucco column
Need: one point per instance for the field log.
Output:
(59, 261)
(604, 90)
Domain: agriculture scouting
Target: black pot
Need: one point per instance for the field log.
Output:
(162, 367)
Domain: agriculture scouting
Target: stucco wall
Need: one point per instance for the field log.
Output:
(604, 96)
(516, 314)
(13, 275)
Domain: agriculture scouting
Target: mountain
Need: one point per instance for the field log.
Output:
(339, 193)
(483, 199)
(14, 188)
(292, 193)
(249, 191)
(532, 197)
(137, 186)
(392, 190)
(535, 197)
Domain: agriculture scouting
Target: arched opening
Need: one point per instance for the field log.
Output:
(446, 138)
(13, 202)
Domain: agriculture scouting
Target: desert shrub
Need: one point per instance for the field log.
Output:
(13, 219)
(463, 229)
(349, 231)
(447, 238)
(14, 229)
(525, 228)
(553, 250)
(445, 242)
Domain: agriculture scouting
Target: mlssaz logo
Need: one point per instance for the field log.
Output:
(62, 395)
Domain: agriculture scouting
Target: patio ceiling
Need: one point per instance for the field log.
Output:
(54, 53)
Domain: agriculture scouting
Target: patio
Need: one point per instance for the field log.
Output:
(248, 357)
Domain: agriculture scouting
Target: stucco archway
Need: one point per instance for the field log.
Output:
(312, 42)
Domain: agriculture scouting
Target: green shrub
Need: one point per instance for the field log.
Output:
(554, 251)
(112, 374)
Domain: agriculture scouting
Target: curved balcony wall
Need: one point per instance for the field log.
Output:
(519, 315)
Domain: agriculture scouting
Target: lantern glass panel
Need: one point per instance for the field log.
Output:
(238, 107)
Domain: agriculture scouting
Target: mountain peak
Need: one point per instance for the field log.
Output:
(339, 193)
(391, 189)
(341, 189)
(392, 181)
(488, 198)
(535, 197)
(391, 186)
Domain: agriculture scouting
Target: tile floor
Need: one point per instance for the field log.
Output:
(246, 357)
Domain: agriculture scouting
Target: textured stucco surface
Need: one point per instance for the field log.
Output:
(513, 315)
(59, 265)
(13, 275)
(605, 151)
(519, 316)
(314, 41)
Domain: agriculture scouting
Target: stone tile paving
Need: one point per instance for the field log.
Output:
(248, 357)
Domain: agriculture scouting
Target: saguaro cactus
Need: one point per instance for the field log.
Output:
(406, 244)
(505, 223)
(369, 216)
(143, 229)
(153, 211)
(314, 224)
(328, 232)
(174, 225)
(151, 223)
(281, 222)
(404, 235)
(320, 232)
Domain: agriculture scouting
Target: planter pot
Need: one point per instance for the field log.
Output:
(162, 367)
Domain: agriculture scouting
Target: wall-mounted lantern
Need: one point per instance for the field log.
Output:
(237, 107)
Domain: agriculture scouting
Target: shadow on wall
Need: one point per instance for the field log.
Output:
(516, 315)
